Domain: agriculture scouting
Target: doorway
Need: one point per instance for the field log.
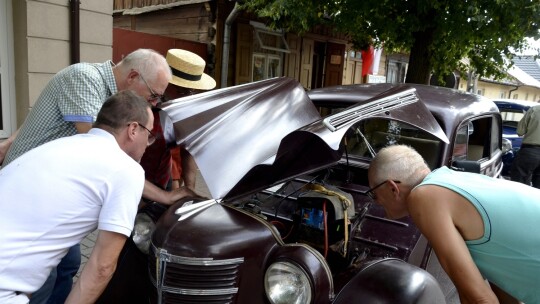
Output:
(319, 51)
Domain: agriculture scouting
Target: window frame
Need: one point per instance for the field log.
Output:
(7, 88)
(261, 29)
(266, 58)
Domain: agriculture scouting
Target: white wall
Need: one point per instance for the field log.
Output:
(42, 42)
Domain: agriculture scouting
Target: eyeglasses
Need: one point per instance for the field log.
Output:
(371, 192)
(153, 95)
(151, 135)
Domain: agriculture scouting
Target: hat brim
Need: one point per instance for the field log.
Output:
(205, 83)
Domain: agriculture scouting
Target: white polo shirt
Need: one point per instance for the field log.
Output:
(54, 195)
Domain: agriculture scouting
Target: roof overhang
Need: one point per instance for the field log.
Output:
(158, 7)
(523, 77)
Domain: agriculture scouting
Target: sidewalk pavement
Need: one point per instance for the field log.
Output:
(88, 243)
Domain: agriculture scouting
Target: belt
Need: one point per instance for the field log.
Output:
(530, 146)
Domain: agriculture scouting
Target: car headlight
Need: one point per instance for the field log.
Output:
(142, 232)
(286, 283)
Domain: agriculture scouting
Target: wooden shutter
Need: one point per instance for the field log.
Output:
(306, 67)
(292, 59)
(244, 51)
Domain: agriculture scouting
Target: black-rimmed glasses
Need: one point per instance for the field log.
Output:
(151, 135)
(153, 95)
(370, 192)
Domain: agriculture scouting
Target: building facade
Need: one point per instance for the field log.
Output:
(38, 39)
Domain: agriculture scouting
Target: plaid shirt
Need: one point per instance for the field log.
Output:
(75, 94)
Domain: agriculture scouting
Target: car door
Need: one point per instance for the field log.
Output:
(478, 141)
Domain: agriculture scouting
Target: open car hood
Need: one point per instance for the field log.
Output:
(249, 137)
(229, 131)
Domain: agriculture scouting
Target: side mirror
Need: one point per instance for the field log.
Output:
(506, 145)
(466, 166)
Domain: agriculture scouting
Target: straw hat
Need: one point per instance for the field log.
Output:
(188, 70)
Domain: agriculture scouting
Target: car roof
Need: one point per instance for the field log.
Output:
(514, 104)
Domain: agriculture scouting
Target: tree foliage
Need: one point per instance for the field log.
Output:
(436, 33)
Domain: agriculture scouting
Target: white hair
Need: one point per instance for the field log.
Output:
(147, 62)
(398, 162)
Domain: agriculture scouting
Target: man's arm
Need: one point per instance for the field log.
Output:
(432, 210)
(156, 194)
(83, 127)
(524, 122)
(189, 169)
(4, 146)
(99, 269)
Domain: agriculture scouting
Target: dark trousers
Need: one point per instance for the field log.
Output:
(526, 166)
(58, 284)
(130, 282)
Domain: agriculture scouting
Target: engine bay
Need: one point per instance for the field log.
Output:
(313, 210)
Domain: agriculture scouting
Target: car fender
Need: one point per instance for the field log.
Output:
(391, 281)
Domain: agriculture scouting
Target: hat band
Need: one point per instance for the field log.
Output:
(185, 76)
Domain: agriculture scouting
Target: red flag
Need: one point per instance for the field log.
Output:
(367, 60)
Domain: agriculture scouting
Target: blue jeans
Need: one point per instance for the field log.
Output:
(526, 166)
(60, 280)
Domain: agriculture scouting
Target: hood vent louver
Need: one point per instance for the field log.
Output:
(377, 106)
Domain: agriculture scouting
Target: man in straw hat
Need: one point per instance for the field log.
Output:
(132, 268)
(187, 75)
(188, 79)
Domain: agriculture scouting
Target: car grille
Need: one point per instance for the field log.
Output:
(193, 280)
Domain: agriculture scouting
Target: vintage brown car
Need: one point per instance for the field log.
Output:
(289, 220)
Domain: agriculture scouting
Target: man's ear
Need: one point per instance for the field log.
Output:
(395, 188)
(132, 76)
(131, 131)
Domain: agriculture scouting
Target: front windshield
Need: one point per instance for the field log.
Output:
(367, 137)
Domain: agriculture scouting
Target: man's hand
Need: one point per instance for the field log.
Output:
(4, 146)
(180, 193)
(99, 269)
(156, 194)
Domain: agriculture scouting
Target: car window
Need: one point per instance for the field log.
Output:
(367, 137)
(511, 118)
(496, 138)
(476, 140)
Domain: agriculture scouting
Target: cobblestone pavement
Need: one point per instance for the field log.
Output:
(88, 243)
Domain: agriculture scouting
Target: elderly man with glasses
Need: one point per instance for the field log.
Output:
(132, 269)
(481, 228)
(80, 183)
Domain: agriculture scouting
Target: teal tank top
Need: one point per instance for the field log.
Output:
(508, 254)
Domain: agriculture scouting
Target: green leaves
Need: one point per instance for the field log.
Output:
(485, 31)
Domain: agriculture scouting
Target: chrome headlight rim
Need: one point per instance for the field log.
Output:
(287, 271)
(142, 232)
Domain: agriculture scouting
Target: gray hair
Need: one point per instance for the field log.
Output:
(398, 162)
(121, 109)
(148, 62)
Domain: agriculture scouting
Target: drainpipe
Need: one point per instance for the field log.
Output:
(227, 44)
(75, 39)
(512, 90)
